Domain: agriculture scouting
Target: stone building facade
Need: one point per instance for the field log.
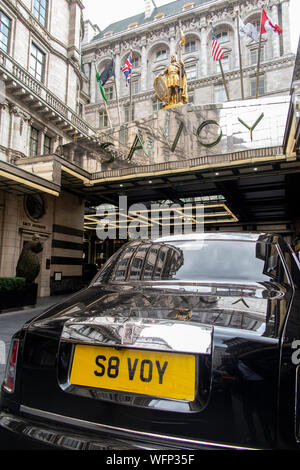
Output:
(43, 92)
(60, 154)
(153, 36)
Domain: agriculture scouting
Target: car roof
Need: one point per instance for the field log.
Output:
(234, 236)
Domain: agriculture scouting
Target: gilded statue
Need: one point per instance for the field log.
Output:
(171, 86)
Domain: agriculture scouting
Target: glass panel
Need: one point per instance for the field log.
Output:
(190, 46)
(208, 260)
(191, 73)
(5, 20)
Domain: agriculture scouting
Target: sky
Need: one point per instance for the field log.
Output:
(116, 10)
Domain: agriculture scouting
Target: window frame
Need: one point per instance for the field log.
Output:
(190, 46)
(253, 51)
(220, 35)
(126, 113)
(192, 69)
(136, 62)
(39, 16)
(157, 104)
(225, 64)
(159, 53)
(109, 92)
(43, 64)
(261, 79)
(217, 89)
(46, 148)
(103, 116)
(9, 31)
(135, 86)
(33, 140)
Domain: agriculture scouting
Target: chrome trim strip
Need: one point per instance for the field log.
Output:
(159, 334)
(136, 434)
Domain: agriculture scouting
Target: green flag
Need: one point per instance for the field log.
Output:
(100, 84)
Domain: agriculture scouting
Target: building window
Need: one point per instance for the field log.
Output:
(40, 11)
(191, 98)
(109, 92)
(34, 139)
(4, 31)
(47, 145)
(191, 73)
(261, 86)
(135, 87)
(254, 56)
(126, 113)
(123, 134)
(103, 119)
(190, 46)
(220, 94)
(157, 105)
(225, 64)
(223, 36)
(135, 62)
(37, 62)
(161, 55)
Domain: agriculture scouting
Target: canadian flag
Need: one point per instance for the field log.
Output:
(267, 24)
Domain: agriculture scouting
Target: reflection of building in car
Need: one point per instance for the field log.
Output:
(148, 260)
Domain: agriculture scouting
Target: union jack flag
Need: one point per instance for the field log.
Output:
(217, 51)
(127, 69)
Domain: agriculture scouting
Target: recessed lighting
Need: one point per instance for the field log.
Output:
(121, 186)
(217, 174)
(254, 169)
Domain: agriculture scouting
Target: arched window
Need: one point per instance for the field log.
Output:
(161, 54)
(190, 46)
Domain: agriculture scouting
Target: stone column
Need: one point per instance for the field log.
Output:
(144, 66)
(275, 36)
(93, 82)
(84, 161)
(118, 70)
(172, 33)
(235, 62)
(203, 50)
(286, 27)
(71, 155)
(42, 134)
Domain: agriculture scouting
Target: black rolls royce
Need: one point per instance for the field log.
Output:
(183, 342)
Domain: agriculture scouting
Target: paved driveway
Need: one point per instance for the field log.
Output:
(11, 322)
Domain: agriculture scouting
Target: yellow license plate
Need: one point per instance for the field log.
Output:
(160, 374)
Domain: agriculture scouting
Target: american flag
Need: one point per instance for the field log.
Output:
(127, 69)
(217, 51)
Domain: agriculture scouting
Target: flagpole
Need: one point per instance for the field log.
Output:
(106, 108)
(130, 94)
(240, 54)
(224, 81)
(117, 98)
(100, 84)
(258, 58)
(180, 59)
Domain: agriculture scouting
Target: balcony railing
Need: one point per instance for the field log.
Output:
(21, 76)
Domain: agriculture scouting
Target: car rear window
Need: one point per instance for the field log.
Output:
(195, 260)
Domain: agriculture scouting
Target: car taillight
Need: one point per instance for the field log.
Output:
(11, 367)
